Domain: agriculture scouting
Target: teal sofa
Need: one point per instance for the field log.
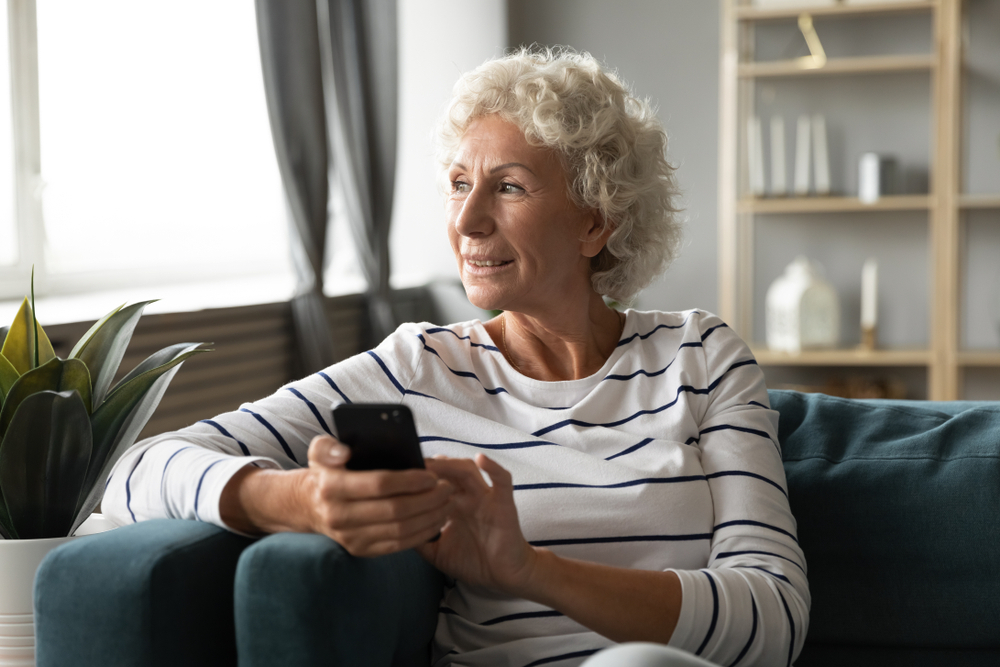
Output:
(898, 510)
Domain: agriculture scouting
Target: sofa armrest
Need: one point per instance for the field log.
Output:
(303, 600)
(154, 593)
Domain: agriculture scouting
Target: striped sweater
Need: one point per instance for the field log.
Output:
(665, 459)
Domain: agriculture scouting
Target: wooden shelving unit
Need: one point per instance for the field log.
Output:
(846, 357)
(944, 361)
(834, 204)
(748, 13)
(979, 358)
(864, 65)
(979, 201)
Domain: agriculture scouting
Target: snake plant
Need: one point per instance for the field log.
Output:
(62, 423)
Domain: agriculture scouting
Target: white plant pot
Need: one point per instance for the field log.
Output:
(19, 561)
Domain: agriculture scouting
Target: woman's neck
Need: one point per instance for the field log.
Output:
(568, 342)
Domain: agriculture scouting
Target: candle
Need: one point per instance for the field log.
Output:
(869, 294)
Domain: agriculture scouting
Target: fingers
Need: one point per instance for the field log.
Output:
(499, 475)
(461, 472)
(345, 515)
(383, 538)
(325, 450)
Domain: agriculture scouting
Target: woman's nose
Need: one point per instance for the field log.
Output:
(475, 216)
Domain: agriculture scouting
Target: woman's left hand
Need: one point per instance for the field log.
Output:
(482, 543)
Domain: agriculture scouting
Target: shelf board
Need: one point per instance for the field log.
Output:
(835, 204)
(862, 65)
(746, 13)
(843, 357)
(979, 358)
(979, 201)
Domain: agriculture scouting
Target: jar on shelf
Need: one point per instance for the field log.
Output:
(802, 310)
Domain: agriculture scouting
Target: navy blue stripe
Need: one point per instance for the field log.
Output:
(776, 576)
(166, 465)
(626, 538)
(564, 656)
(333, 385)
(791, 625)
(517, 617)
(395, 382)
(243, 448)
(619, 485)
(743, 473)
(748, 522)
(463, 374)
(274, 432)
(128, 489)
(385, 369)
(747, 362)
(708, 332)
(741, 429)
(442, 329)
(759, 405)
(729, 554)
(502, 445)
(626, 341)
(647, 373)
(197, 493)
(715, 613)
(682, 388)
(631, 449)
(312, 408)
(753, 633)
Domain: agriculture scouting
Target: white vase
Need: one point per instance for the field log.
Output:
(19, 561)
(802, 310)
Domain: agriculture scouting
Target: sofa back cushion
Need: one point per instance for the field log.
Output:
(898, 511)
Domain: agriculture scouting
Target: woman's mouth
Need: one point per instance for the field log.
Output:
(488, 262)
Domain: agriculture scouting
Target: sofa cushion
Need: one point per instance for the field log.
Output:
(898, 511)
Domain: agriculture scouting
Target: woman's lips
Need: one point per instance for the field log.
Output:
(486, 266)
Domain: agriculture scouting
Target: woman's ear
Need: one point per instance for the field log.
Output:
(596, 231)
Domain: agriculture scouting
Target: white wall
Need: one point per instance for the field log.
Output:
(438, 41)
(669, 51)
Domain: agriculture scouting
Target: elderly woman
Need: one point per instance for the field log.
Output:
(635, 488)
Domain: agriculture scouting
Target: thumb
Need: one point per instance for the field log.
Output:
(327, 451)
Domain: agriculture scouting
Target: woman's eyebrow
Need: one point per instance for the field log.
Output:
(459, 165)
(511, 164)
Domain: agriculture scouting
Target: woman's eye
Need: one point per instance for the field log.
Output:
(510, 189)
(459, 186)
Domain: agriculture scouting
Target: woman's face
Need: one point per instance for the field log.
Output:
(521, 244)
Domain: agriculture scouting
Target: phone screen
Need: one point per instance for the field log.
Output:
(381, 436)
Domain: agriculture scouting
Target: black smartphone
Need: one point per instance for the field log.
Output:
(381, 436)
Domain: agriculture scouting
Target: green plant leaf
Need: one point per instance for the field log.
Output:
(56, 375)
(118, 421)
(7, 531)
(19, 346)
(43, 463)
(103, 347)
(8, 376)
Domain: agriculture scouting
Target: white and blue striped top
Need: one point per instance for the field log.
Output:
(665, 459)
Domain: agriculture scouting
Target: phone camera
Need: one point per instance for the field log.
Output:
(385, 416)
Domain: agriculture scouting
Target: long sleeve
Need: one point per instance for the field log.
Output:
(181, 474)
(750, 606)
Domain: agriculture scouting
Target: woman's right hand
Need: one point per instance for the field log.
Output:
(369, 513)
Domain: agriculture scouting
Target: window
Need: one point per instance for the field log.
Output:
(155, 153)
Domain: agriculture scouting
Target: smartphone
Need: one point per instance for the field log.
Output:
(381, 436)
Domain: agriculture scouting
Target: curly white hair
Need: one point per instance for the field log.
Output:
(612, 145)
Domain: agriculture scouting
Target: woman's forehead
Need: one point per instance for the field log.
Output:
(493, 142)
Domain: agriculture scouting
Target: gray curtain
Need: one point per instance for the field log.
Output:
(330, 80)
